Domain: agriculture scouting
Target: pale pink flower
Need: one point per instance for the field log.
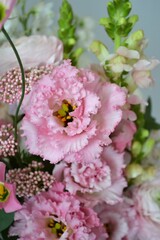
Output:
(71, 112)
(119, 221)
(141, 72)
(6, 7)
(98, 181)
(124, 132)
(128, 53)
(123, 135)
(55, 214)
(8, 201)
(146, 200)
(120, 61)
(33, 50)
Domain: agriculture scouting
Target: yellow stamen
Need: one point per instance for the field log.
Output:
(57, 228)
(4, 193)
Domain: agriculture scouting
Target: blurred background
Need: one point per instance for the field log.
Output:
(149, 20)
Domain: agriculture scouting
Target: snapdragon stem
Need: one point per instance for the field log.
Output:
(23, 81)
(117, 42)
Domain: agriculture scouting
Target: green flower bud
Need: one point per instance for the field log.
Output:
(133, 170)
(133, 41)
(122, 21)
(100, 50)
(148, 146)
(106, 22)
(148, 174)
(144, 133)
(136, 148)
(133, 19)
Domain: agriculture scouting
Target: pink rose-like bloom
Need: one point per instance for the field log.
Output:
(70, 111)
(95, 182)
(119, 221)
(6, 7)
(8, 201)
(33, 50)
(55, 214)
(146, 199)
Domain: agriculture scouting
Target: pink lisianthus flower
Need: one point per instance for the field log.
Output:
(6, 7)
(55, 214)
(141, 72)
(98, 181)
(71, 112)
(8, 201)
(34, 51)
(119, 221)
(146, 199)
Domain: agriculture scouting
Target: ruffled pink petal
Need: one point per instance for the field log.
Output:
(124, 135)
(90, 153)
(112, 98)
(114, 160)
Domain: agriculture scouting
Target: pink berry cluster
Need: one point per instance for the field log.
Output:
(30, 180)
(11, 82)
(8, 146)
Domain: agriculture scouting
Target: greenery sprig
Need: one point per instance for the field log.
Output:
(118, 25)
(67, 32)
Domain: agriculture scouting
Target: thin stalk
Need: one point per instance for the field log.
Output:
(117, 42)
(23, 81)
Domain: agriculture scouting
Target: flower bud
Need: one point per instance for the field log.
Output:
(136, 148)
(148, 146)
(147, 174)
(133, 170)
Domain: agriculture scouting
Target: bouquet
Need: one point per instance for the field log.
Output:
(79, 147)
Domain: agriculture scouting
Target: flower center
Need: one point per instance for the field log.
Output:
(57, 228)
(64, 112)
(4, 193)
(2, 11)
(109, 228)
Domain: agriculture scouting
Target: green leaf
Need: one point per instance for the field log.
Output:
(6, 220)
(6, 237)
(150, 122)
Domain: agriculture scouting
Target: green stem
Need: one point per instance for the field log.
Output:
(117, 42)
(23, 81)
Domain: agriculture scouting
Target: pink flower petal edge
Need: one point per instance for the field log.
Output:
(11, 204)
